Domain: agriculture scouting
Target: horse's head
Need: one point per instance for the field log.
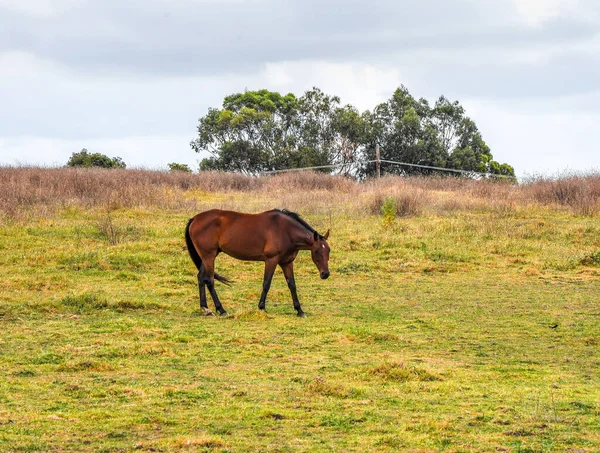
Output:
(320, 254)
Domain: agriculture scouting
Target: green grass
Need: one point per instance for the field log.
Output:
(460, 332)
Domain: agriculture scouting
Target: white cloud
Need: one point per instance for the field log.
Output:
(19, 64)
(42, 8)
(362, 85)
(537, 12)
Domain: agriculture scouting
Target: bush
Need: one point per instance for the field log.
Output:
(179, 167)
(84, 159)
(388, 209)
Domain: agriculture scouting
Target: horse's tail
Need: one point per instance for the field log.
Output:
(196, 257)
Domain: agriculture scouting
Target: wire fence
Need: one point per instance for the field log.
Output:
(406, 164)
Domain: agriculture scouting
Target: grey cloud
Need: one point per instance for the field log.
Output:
(184, 38)
(562, 74)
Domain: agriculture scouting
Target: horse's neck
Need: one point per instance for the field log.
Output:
(302, 239)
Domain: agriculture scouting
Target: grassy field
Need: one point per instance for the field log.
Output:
(472, 324)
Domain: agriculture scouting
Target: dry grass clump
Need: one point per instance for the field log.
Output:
(308, 180)
(454, 194)
(215, 181)
(204, 443)
(393, 196)
(397, 371)
(391, 205)
(414, 195)
(320, 386)
(581, 193)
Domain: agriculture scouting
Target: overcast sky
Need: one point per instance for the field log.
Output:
(131, 78)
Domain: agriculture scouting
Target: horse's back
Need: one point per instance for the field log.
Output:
(241, 235)
(224, 217)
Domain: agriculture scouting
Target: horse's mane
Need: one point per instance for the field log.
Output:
(298, 219)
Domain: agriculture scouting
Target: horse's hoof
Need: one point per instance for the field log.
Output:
(207, 312)
(224, 313)
(301, 314)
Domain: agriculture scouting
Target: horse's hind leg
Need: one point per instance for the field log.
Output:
(202, 289)
(209, 280)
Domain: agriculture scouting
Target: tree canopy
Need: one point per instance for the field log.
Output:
(259, 131)
(85, 159)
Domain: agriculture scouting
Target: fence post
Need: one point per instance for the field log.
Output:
(378, 163)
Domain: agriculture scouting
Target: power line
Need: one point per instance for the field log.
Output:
(429, 167)
(302, 168)
(455, 170)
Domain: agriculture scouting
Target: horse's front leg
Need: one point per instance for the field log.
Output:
(270, 266)
(288, 272)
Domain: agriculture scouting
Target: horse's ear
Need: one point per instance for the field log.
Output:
(316, 236)
(326, 235)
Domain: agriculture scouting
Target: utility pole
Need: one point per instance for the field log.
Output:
(378, 163)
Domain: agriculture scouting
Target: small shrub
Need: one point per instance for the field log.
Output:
(389, 210)
(179, 167)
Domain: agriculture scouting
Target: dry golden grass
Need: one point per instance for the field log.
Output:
(580, 193)
(26, 191)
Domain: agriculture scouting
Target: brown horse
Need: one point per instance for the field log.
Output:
(274, 237)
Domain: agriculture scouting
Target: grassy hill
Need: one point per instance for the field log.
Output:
(464, 318)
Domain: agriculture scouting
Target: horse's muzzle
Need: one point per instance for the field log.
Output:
(324, 275)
